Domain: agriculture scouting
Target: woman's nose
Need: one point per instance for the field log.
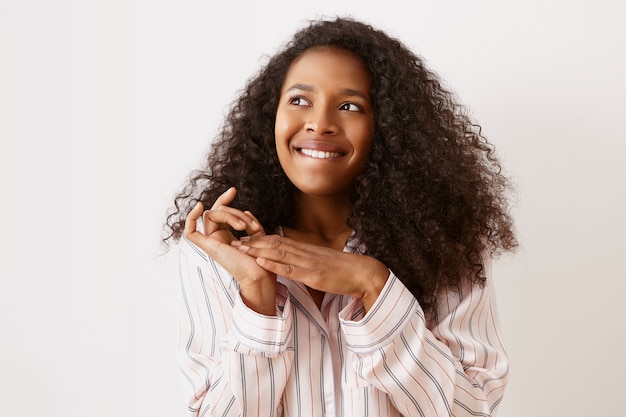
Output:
(322, 121)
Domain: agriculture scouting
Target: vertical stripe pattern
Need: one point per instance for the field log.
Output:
(337, 360)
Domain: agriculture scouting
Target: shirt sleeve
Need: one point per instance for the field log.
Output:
(457, 366)
(232, 360)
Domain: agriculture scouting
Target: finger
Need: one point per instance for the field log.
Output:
(278, 268)
(266, 241)
(210, 226)
(255, 225)
(288, 256)
(277, 241)
(225, 198)
(223, 218)
(191, 221)
(246, 222)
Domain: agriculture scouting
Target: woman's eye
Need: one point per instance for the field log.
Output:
(299, 101)
(350, 107)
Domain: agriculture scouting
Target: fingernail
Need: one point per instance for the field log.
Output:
(235, 243)
(244, 248)
(245, 238)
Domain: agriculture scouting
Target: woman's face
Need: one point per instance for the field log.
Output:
(324, 122)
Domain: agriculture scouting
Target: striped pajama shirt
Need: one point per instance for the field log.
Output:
(335, 360)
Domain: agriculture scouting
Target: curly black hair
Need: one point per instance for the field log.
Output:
(431, 199)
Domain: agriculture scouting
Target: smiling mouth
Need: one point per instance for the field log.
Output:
(320, 154)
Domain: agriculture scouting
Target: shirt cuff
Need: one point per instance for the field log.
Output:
(387, 318)
(264, 334)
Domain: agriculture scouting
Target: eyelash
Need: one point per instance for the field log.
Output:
(358, 108)
(294, 99)
(343, 106)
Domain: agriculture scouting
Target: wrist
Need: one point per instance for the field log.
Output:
(259, 296)
(374, 284)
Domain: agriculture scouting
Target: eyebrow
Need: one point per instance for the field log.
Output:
(343, 91)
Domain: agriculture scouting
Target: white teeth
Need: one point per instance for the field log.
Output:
(319, 154)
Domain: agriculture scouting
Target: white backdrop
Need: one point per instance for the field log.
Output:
(106, 105)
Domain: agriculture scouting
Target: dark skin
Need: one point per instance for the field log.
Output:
(311, 257)
(316, 227)
(324, 128)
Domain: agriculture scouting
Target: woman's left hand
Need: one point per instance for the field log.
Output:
(318, 267)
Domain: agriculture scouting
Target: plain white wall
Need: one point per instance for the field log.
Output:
(106, 105)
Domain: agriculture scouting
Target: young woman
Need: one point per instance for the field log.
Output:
(335, 249)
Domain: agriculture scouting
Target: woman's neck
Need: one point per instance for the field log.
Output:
(322, 221)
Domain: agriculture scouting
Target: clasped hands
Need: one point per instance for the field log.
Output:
(255, 260)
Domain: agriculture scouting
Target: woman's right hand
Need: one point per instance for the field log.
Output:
(256, 285)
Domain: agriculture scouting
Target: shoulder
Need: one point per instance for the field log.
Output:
(469, 297)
